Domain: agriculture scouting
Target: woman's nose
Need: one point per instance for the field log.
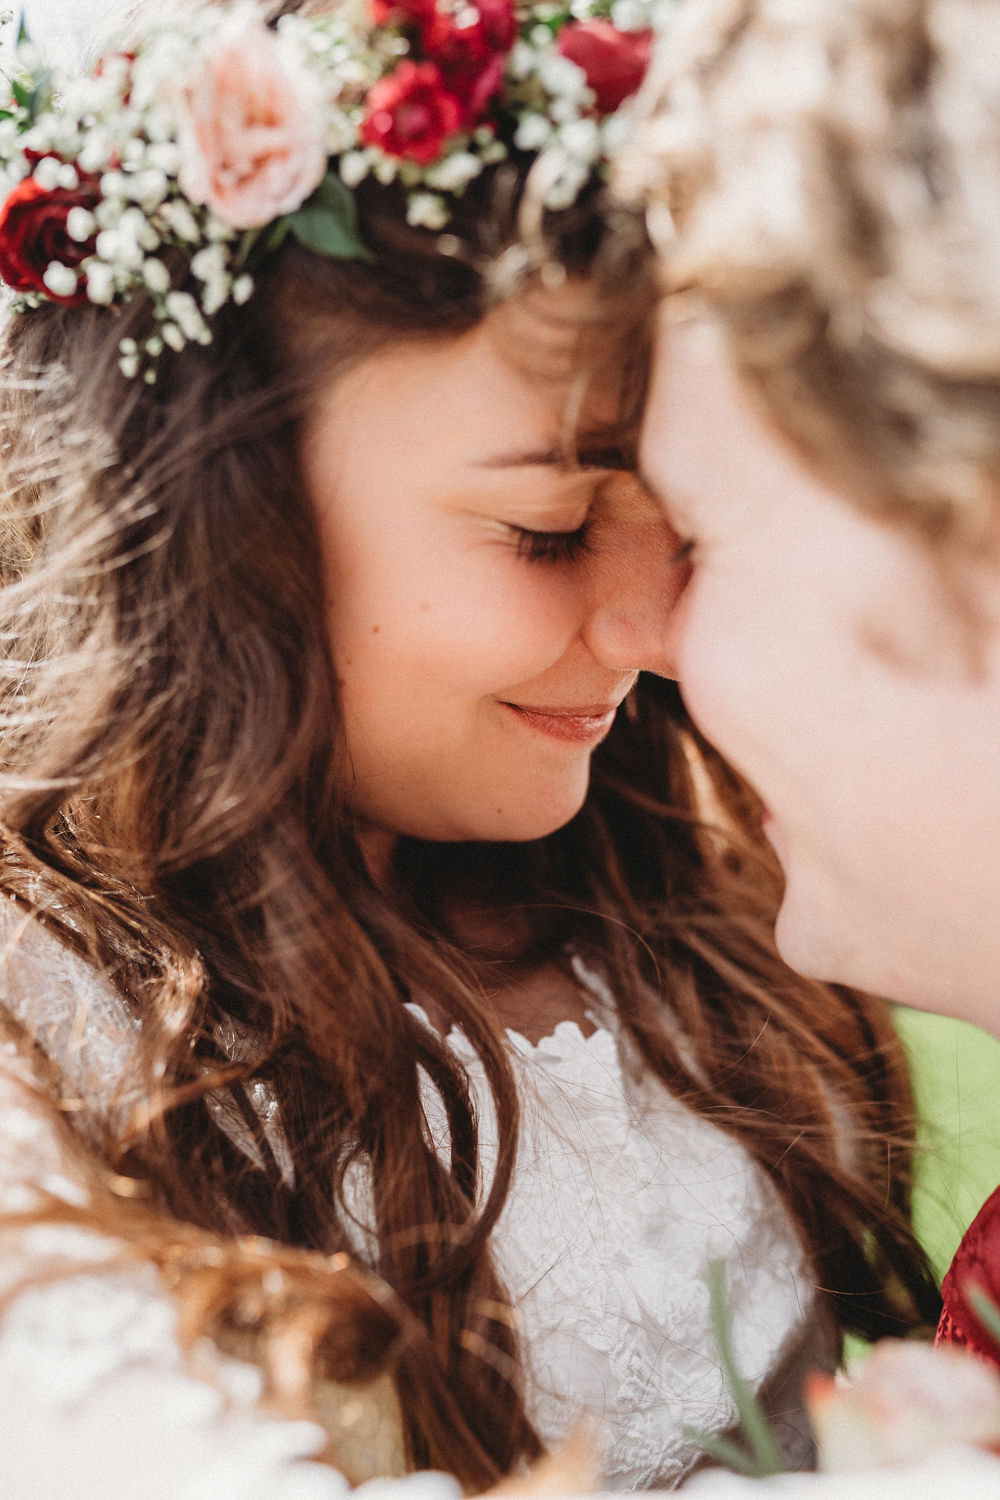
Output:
(639, 576)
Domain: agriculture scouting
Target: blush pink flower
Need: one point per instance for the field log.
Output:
(907, 1401)
(249, 128)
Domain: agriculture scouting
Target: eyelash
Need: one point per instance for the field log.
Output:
(551, 546)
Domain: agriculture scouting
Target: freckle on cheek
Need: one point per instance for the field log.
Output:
(376, 629)
(425, 606)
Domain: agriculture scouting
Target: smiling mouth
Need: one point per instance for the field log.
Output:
(581, 726)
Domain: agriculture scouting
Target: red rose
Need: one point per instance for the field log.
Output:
(471, 56)
(614, 61)
(33, 233)
(478, 91)
(401, 12)
(411, 113)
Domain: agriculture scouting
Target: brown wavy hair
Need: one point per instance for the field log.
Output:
(172, 804)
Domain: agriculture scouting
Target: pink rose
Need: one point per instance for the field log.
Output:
(249, 128)
(614, 61)
(411, 113)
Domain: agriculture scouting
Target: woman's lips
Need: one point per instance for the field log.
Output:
(581, 726)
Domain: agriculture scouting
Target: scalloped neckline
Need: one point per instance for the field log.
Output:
(565, 1031)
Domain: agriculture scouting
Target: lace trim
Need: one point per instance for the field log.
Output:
(621, 1197)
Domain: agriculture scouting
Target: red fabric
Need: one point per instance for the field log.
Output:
(976, 1263)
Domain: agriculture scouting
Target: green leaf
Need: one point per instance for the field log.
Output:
(334, 195)
(40, 95)
(723, 1450)
(248, 239)
(276, 235)
(32, 94)
(327, 222)
(764, 1457)
(324, 235)
(256, 243)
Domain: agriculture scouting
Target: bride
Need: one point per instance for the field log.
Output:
(395, 1033)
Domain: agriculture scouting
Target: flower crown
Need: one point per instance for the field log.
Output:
(214, 137)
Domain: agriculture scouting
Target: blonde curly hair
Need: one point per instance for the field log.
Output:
(826, 178)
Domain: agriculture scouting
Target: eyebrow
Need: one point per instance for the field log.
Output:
(587, 457)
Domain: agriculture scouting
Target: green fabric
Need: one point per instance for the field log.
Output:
(956, 1079)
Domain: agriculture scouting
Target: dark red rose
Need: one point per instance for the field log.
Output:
(614, 61)
(401, 12)
(411, 113)
(33, 233)
(471, 56)
(477, 93)
(469, 47)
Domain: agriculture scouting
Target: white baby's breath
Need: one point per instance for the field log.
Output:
(385, 169)
(354, 167)
(60, 280)
(532, 133)
(454, 172)
(182, 307)
(46, 174)
(180, 221)
(155, 275)
(581, 139)
(427, 210)
(80, 224)
(100, 283)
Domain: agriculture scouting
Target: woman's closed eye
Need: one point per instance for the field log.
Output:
(551, 546)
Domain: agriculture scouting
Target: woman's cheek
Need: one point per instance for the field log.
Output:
(544, 605)
(512, 618)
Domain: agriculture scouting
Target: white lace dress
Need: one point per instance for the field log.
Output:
(621, 1198)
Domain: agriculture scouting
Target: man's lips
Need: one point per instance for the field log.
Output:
(579, 724)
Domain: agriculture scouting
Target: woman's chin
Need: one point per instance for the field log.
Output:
(526, 822)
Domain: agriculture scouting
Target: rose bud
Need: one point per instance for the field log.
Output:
(614, 61)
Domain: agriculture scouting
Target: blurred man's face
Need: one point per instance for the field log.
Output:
(828, 656)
